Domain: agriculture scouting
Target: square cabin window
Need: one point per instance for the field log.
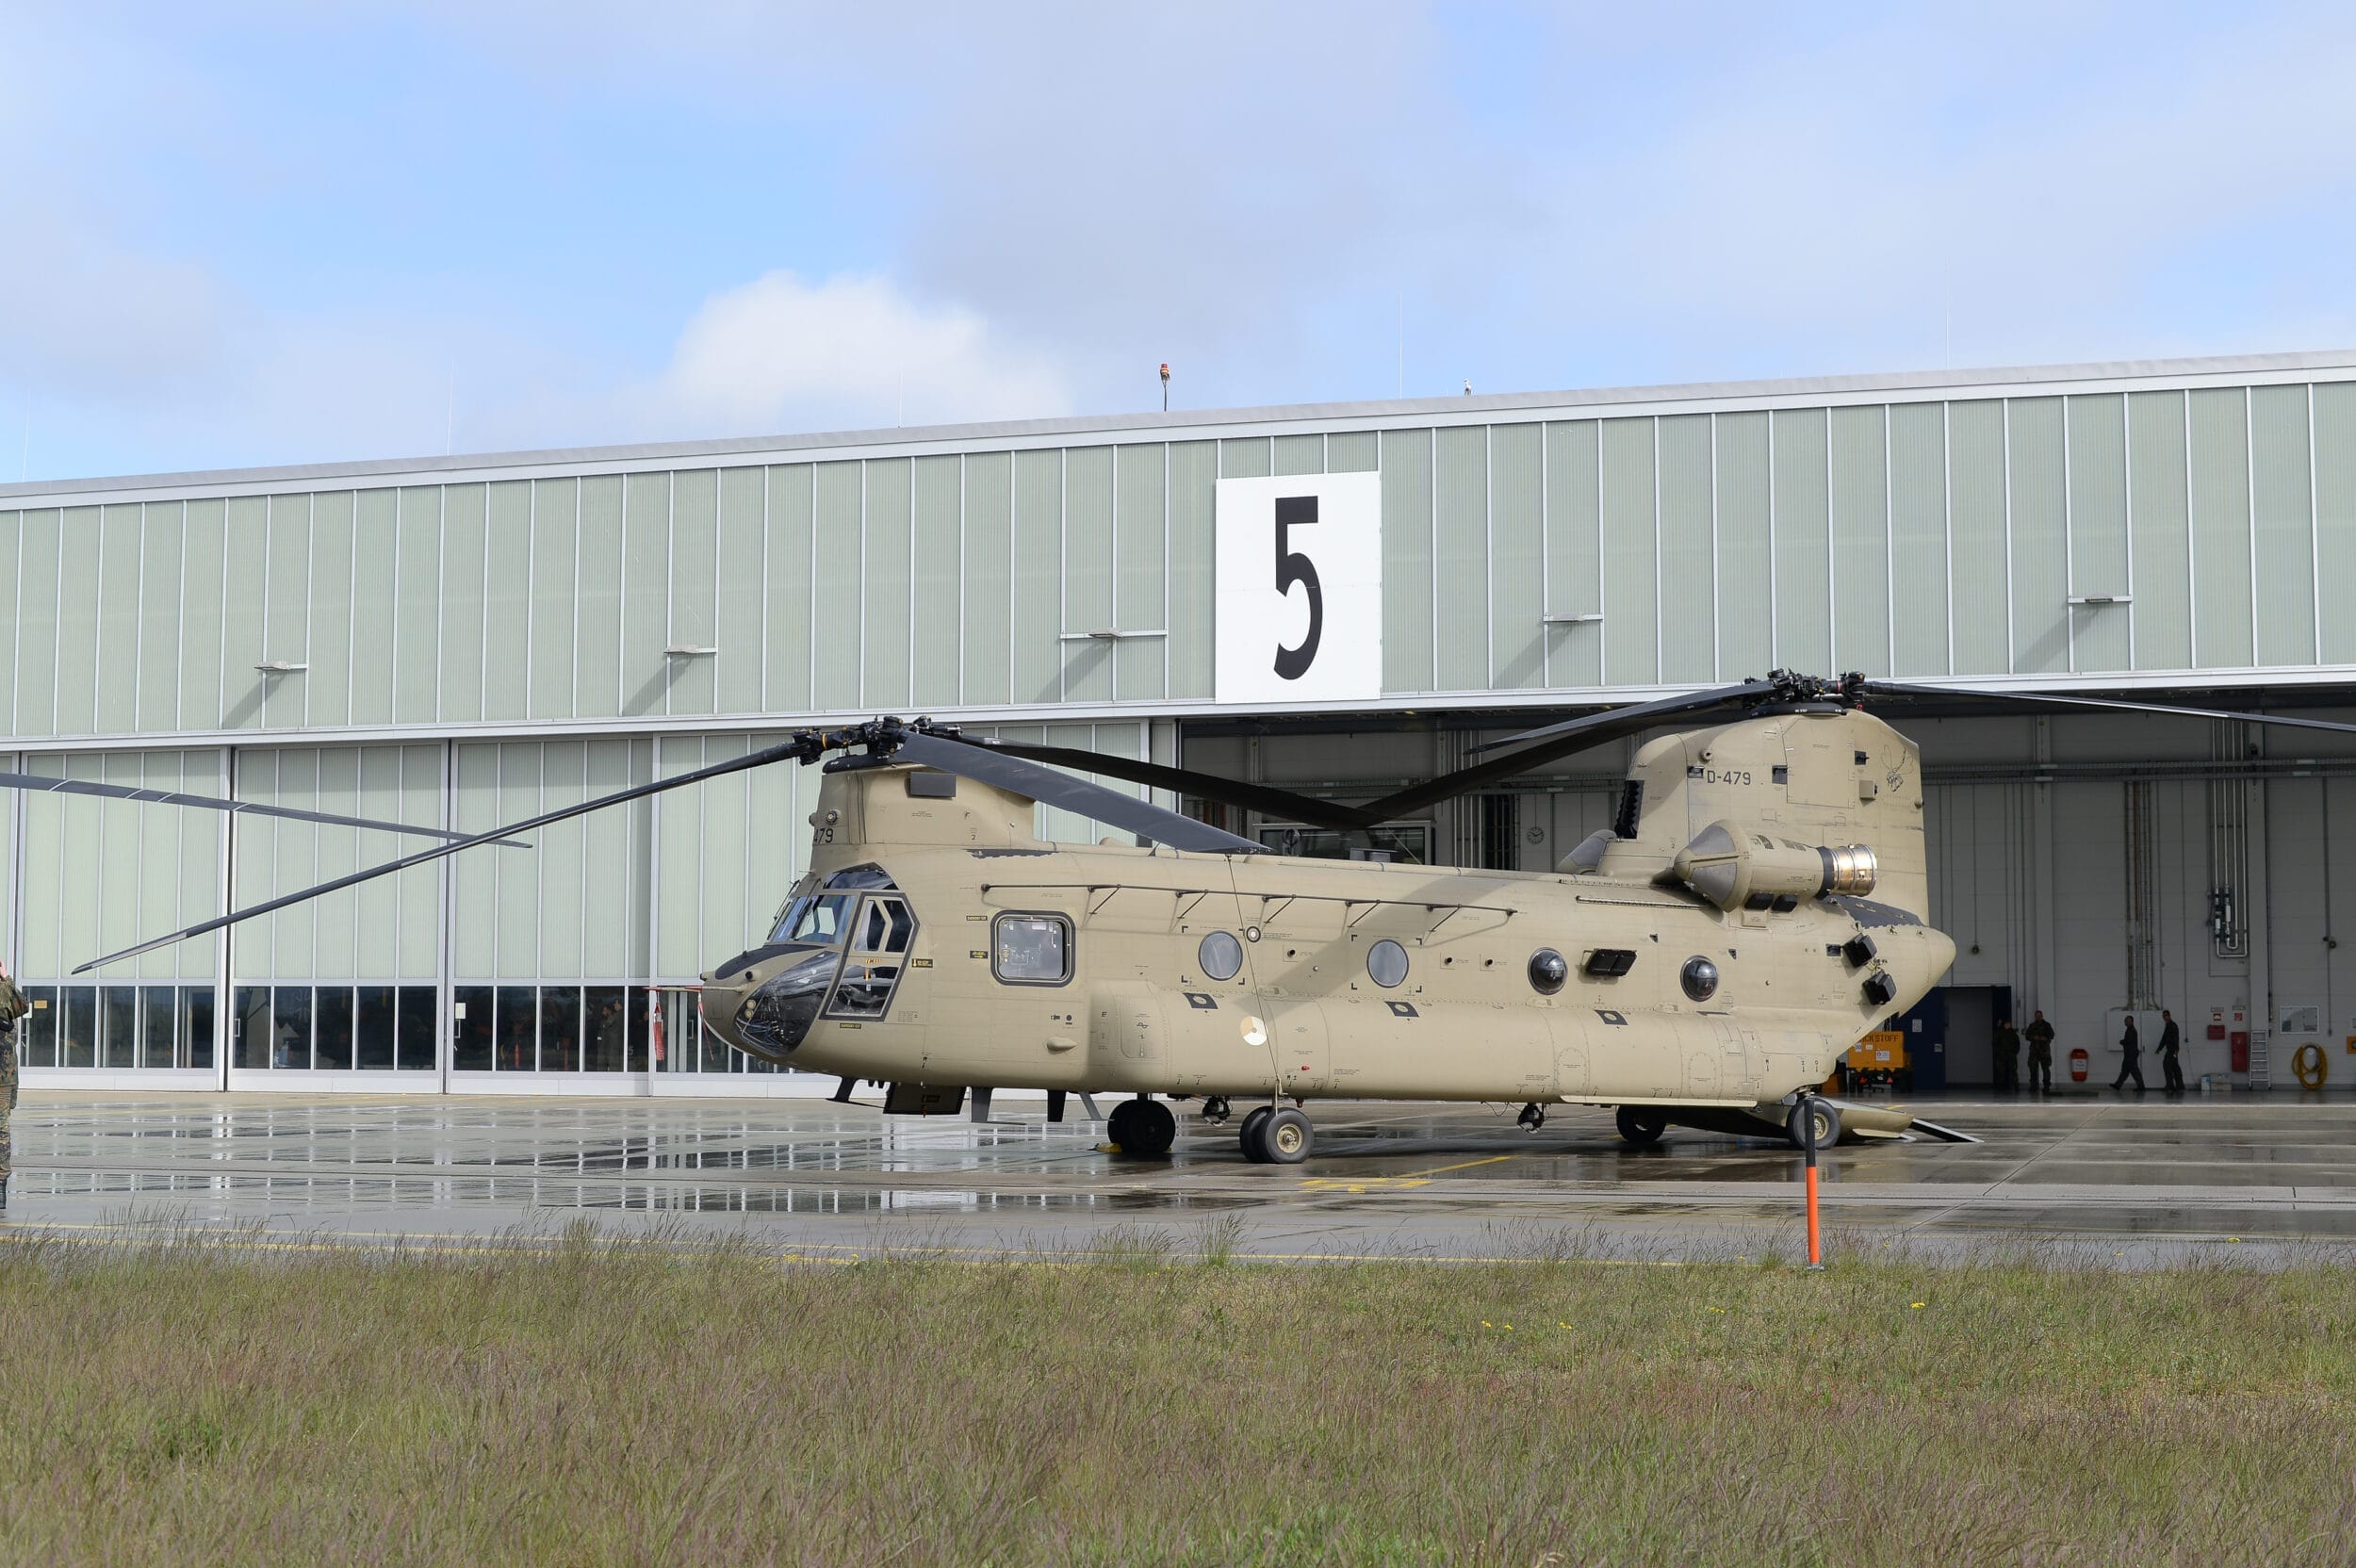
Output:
(1031, 950)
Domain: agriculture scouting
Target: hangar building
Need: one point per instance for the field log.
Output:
(467, 641)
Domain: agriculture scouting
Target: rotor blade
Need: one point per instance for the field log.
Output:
(2057, 699)
(989, 765)
(804, 745)
(1268, 799)
(37, 782)
(1617, 722)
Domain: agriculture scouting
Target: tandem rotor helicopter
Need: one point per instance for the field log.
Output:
(1760, 903)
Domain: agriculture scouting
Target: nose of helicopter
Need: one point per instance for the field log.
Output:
(764, 1000)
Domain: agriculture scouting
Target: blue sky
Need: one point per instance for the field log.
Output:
(271, 232)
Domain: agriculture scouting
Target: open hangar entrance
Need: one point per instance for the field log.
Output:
(2085, 863)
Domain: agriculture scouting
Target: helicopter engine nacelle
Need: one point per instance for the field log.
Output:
(1737, 870)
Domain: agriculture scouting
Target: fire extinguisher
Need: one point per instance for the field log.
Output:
(2078, 1063)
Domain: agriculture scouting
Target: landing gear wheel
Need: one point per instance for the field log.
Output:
(1144, 1128)
(1287, 1137)
(1215, 1110)
(1255, 1124)
(1533, 1116)
(1640, 1126)
(1828, 1117)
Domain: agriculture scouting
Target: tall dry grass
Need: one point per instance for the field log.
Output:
(1157, 1400)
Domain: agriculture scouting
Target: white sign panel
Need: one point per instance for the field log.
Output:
(1300, 588)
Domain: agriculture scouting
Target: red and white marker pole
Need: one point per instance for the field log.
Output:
(1807, 1142)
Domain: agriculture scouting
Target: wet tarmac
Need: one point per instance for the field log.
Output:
(2133, 1181)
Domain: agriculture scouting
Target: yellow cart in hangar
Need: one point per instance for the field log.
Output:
(1877, 1061)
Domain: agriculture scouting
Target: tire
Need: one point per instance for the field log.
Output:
(1287, 1137)
(1827, 1126)
(1254, 1122)
(1143, 1127)
(1640, 1126)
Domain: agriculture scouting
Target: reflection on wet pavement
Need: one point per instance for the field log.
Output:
(2136, 1179)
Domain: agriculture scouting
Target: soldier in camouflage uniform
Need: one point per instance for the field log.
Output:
(12, 1005)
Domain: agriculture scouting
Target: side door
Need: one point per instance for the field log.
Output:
(882, 932)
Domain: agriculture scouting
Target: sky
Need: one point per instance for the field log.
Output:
(259, 232)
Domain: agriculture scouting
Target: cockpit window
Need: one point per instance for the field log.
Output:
(861, 876)
(815, 918)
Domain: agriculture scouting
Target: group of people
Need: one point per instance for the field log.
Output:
(2039, 1035)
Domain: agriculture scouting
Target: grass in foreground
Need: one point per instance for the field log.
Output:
(599, 1402)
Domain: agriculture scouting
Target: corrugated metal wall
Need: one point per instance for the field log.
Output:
(2215, 528)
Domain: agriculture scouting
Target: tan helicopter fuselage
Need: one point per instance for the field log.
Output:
(1025, 964)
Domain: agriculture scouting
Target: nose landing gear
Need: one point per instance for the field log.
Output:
(1142, 1127)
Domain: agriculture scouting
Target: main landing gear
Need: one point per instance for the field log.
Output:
(1274, 1136)
(1642, 1127)
(1533, 1116)
(1142, 1127)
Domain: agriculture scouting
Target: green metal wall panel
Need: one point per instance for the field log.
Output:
(286, 613)
(1689, 633)
(521, 774)
(161, 549)
(1860, 539)
(562, 861)
(467, 582)
(646, 624)
(1407, 646)
(887, 548)
(329, 679)
(989, 576)
(1517, 524)
(361, 933)
(936, 572)
(719, 915)
(512, 637)
(742, 567)
(789, 618)
(97, 876)
(1141, 595)
(1193, 497)
(418, 609)
(77, 620)
(1353, 451)
(2218, 460)
(2284, 523)
(375, 549)
(475, 879)
(1574, 555)
(1460, 550)
(679, 848)
(202, 565)
(1246, 458)
(1630, 576)
(2098, 530)
(10, 534)
(117, 650)
(1803, 530)
(601, 568)
(1038, 576)
(561, 583)
(1745, 547)
(690, 685)
(2335, 519)
(1087, 572)
(777, 840)
(1976, 541)
(2039, 491)
(839, 605)
(336, 852)
(2158, 532)
(39, 547)
(407, 786)
(1298, 454)
(245, 599)
(618, 853)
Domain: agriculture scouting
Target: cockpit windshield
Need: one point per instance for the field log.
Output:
(820, 914)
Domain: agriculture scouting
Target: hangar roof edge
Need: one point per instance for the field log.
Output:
(1194, 424)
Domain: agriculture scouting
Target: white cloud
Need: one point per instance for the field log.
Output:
(780, 353)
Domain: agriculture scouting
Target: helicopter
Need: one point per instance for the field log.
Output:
(1757, 904)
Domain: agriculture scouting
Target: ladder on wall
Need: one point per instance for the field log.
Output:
(2258, 1037)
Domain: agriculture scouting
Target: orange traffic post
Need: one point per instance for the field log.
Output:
(1808, 1140)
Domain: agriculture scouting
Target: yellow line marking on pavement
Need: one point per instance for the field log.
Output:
(1392, 1184)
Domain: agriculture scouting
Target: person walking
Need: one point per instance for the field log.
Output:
(2172, 1045)
(2007, 1050)
(13, 1007)
(2131, 1059)
(2040, 1037)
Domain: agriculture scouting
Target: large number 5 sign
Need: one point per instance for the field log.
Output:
(1293, 566)
(1285, 544)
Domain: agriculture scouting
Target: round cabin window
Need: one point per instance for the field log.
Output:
(1386, 963)
(1221, 955)
(1699, 977)
(1547, 971)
